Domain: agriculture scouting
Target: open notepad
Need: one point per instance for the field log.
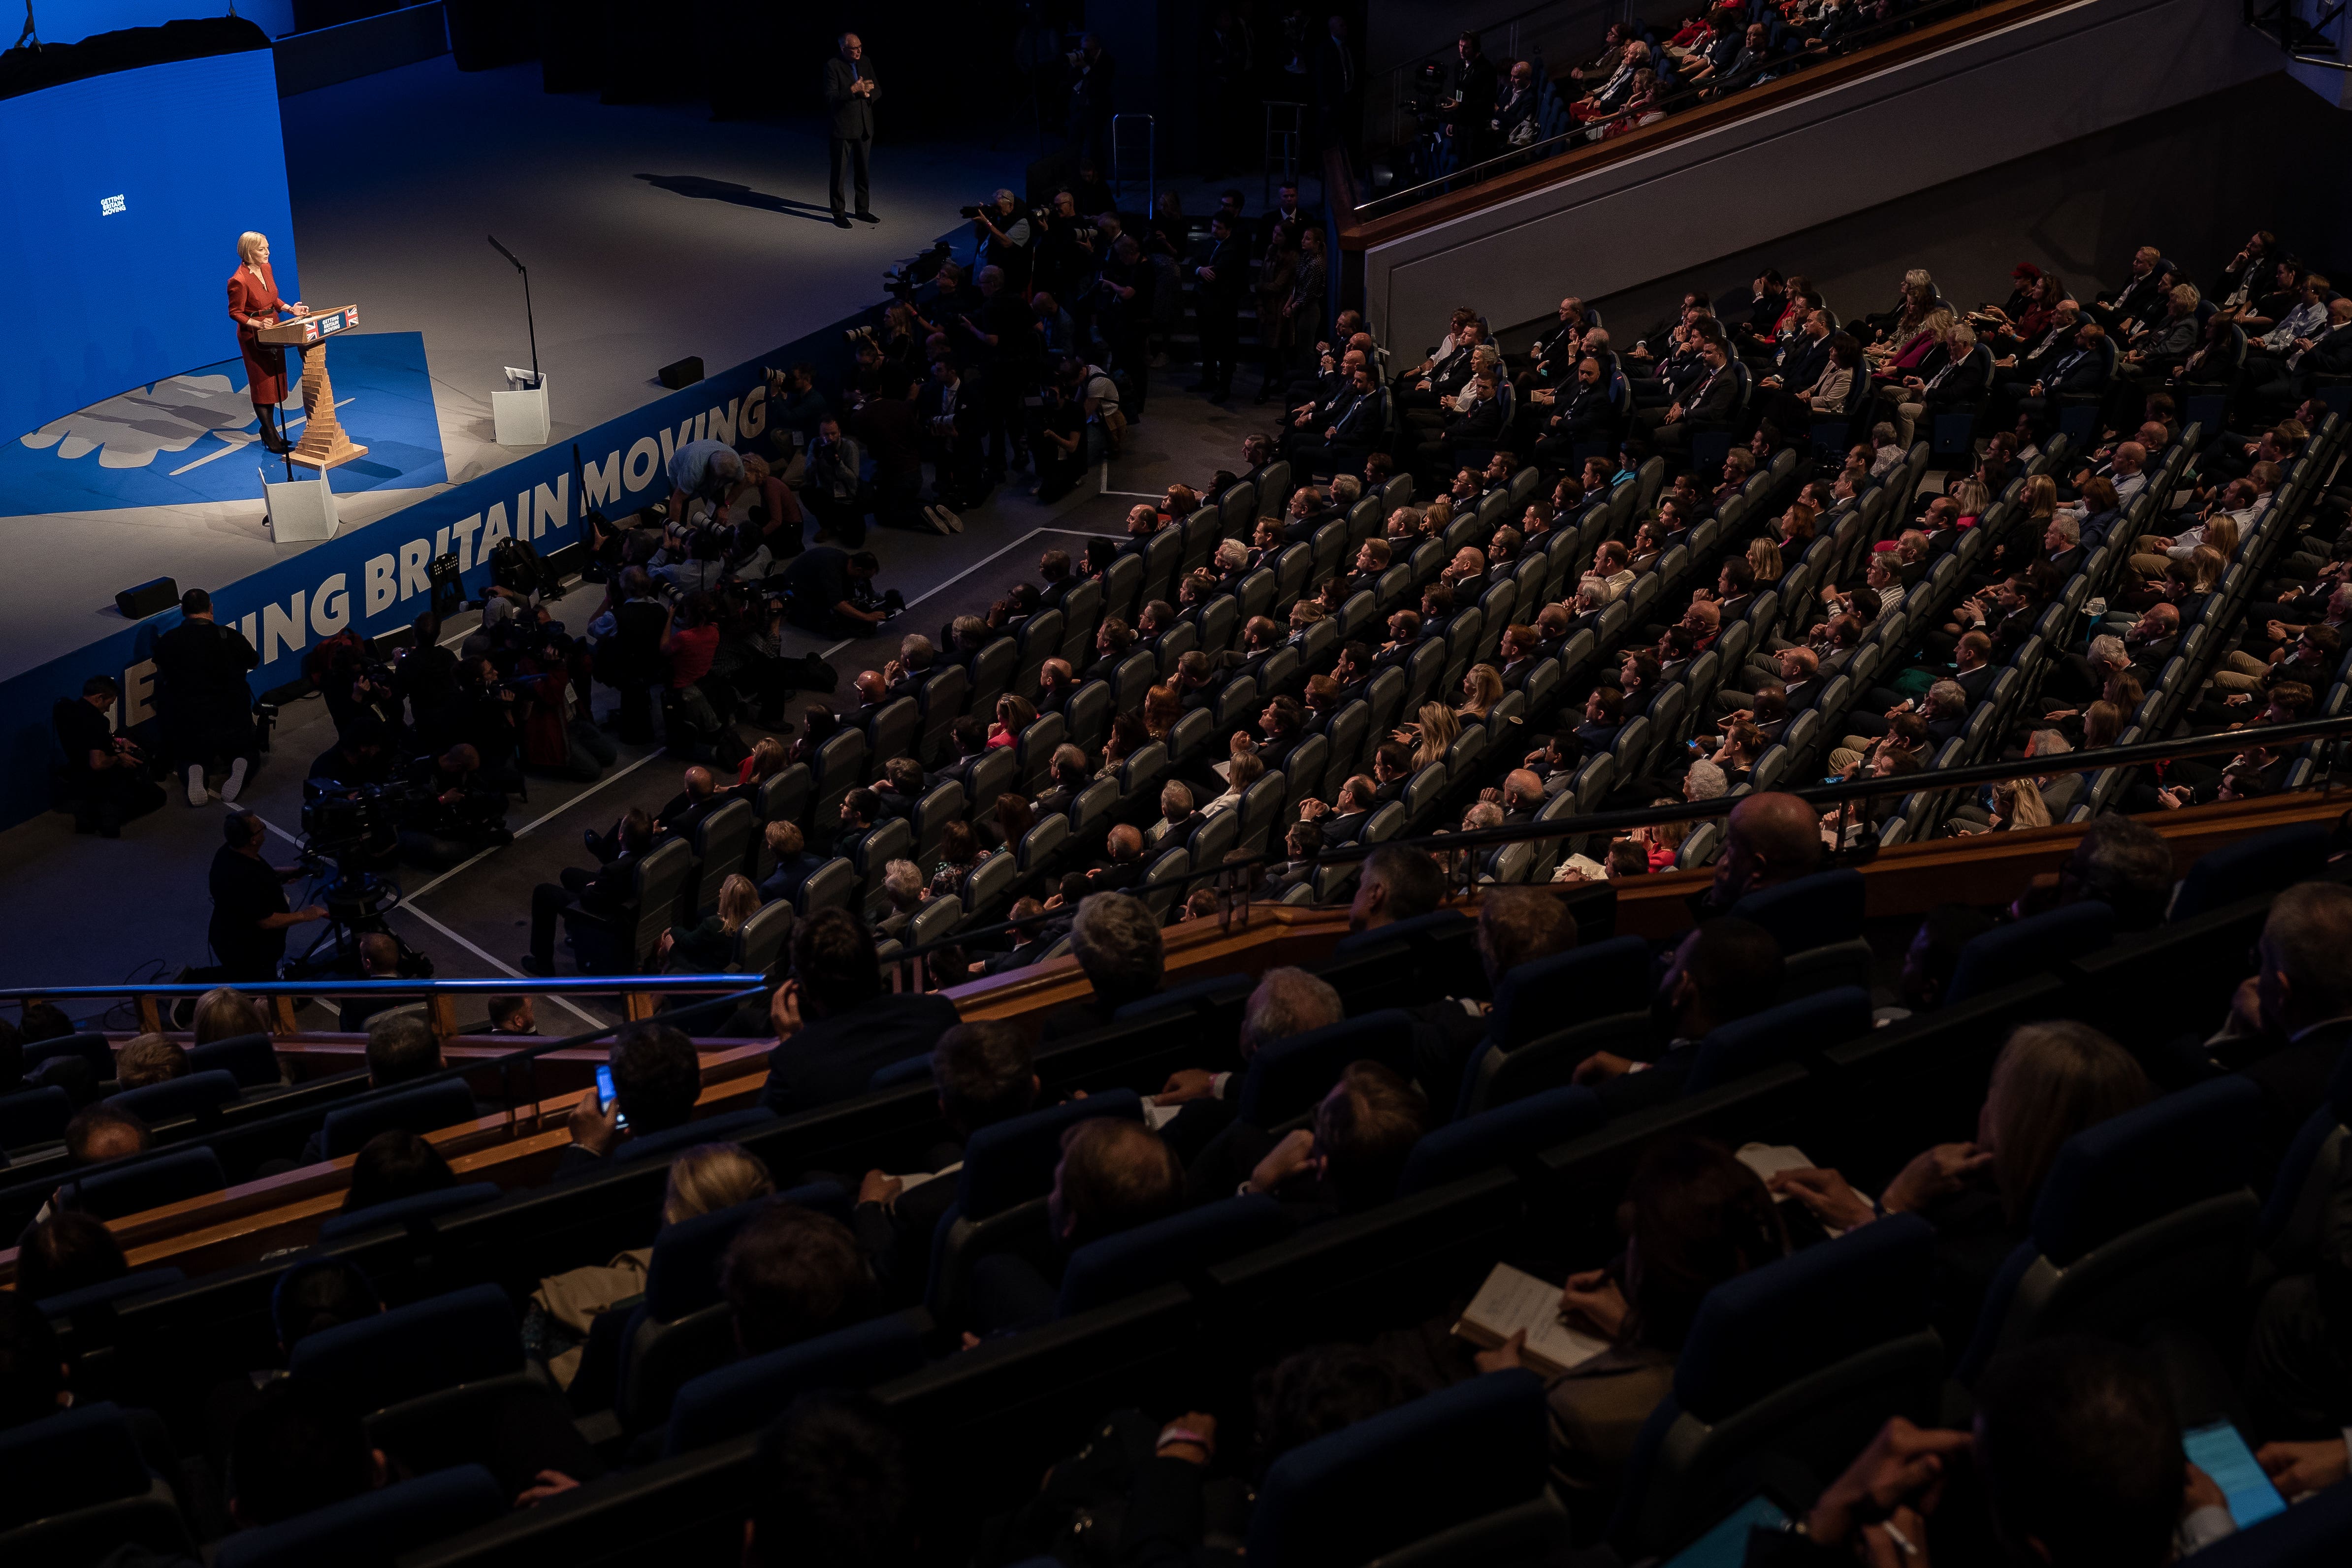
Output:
(1510, 1301)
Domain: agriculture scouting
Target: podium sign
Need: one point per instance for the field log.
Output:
(324, 444)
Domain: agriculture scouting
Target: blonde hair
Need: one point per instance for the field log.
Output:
(150, 1059)
(2221, 536)
(1439, 730)
(2026, 807)
(1969, 497)
(1764, 560)
(2041, 495)
(1485, 689)
(738, 900)
(224, 1012)
(247, 243)
(708, 1177)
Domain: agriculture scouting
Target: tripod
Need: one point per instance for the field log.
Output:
(356, 902)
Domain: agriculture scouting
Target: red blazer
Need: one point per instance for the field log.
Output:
(264, 363)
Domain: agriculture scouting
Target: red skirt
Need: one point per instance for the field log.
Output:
(265, 370)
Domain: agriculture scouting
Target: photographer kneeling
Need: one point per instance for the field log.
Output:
(106, 773)
(453, 813)
(830, 592)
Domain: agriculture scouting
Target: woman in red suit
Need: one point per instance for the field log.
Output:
(253, 304)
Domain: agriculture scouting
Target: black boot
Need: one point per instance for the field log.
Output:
(272, 441)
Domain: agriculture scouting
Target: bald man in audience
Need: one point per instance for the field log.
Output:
(1769, 839)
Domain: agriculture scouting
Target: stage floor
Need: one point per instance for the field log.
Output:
(652, 234)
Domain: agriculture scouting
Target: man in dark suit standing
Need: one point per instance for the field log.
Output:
(849, 92)
(1221, 280)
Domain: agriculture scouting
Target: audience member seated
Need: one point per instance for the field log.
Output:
(836, 1023)
(1725, 971)
(1114, 1175)
(393, 1166)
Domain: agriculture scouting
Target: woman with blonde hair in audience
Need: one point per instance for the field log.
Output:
(766, 760)
(1969, 499)
(2051, 1081)
(1431, 734)
(224, 1013)
(1013, 715)
(1764, 560)
(2040, 498)
(1242, 770)
(710, 947)
(1482, 688)
(703, 1179)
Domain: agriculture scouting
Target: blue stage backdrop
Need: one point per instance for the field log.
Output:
(373, 578)
(123, 196)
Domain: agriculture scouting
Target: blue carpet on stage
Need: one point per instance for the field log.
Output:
(194, 437)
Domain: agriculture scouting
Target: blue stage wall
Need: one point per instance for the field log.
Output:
(373, 577)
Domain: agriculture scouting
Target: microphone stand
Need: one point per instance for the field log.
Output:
(528, 322)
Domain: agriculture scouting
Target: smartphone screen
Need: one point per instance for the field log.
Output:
(605, 1091)
(2218, 1450)
(1725, 1545)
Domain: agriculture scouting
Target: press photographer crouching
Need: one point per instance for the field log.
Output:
(450, 811)
(202, 700)
(106, 777)
(830, 592)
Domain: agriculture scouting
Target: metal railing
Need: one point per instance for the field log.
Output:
(2311, 32)
(1372, 206)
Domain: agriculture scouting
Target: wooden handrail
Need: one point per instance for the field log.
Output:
(255, 1218)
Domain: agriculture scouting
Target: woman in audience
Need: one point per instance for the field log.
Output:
(225, 1013)
(1007, 822)
(1970, 499)
(1100, 553)
(819, 724)
(1162, 707)
(1482, 688)
(1694, 1218)
(767, 759)
(709, 945)
(960, 849)
(393, 1165)
(1013, 715)
(1764, 560)
(2051, 1081)
(1126, 737)
(1431, 734)
(1242, 770)
(556, 1326)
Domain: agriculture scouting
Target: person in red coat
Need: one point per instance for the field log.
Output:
(253, 304)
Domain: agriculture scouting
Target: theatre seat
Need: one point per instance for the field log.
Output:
(151, 1182)
(1444, 1459)
(2025, 949)
(1804, 1359)
(411, 1210)
(78, 1489)
(1168, 1250)
(197, 1094)
(1811, 912)
(1008, 1169)
(747, 1394)
(1777, 1035)
(1286, 1078)
(426, 1109)
(1500, 1137)
(2146, 1215)
(2265, 862)
(373, 1526)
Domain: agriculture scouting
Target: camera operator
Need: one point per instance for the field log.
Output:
(833, 491)
(1006, 331)
(456, 813)
(628, 657)
(249, 913)
(954, 422)
(484, 718)
(830, 592)
(701, 473)
(1000, 229)
(559, 733)
(1065, 248)
(106, 773)
(360, 756)
(1058, 436)
(202, 697)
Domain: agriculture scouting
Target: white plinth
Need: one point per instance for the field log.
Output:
(519, 418)
(302, 512)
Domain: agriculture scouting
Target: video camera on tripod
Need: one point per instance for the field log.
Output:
(349, 832)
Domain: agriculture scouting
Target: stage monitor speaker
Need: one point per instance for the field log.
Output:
(684, 373)
(151, 598)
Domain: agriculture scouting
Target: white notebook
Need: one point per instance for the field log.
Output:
(1510, 1301)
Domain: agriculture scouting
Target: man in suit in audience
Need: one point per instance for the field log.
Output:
(983, 1073)
(657, 1078)
(1286, 1002)
(1343, 822)
(1769, 839)
(2289, 1024)
(1725, 970)
(836, 1023)
(1396, 883)
(379, 960)
(1114, 1175)
(603, 894)
(792, 1274)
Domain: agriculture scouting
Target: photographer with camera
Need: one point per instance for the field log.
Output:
(833, 491)
(701, 473)
(249, 911)
(202, 697)
(106, 773)
(1126, 296)
(954, 422)
(1067, 248)
(448, 811)
(1000, 229)
(830, 592)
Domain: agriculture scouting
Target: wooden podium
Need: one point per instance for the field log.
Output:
(323, 443)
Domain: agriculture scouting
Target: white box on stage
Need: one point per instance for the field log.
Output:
(518, 418)
(301, 511)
